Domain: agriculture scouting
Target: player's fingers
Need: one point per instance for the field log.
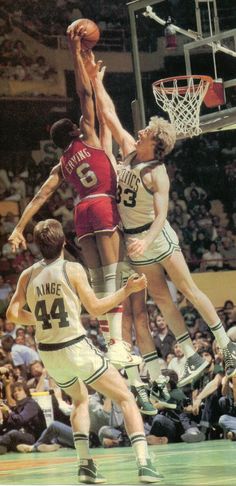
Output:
(134, 276)
(102, 72)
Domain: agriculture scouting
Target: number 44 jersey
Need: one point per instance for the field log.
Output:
(54, 303)
(88, 170)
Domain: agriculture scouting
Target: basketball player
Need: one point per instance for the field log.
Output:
(152, 245)
(87, 168)
(54, 290)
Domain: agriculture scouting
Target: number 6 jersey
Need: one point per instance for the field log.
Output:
(92, 175)
(88, 170)
(54, 303)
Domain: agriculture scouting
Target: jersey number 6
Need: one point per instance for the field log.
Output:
(86, 176)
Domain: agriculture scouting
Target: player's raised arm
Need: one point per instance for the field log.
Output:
(16, 239)
(106, 105)
(105, 135)
(83, 85)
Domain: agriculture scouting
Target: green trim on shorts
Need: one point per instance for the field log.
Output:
(98, 373)
(102, 369)
(172, 247)
(156, 260)
(67, 383)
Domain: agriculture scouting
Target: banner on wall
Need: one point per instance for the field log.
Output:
(44, 399)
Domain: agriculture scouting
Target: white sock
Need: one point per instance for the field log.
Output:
(153, 366)
(97, 284)
(133, 376)
(186, 344)
(139, 444)
(112, 281)
(220, 334)
(81, 445)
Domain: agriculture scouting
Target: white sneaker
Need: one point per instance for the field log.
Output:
(25, 448)
(48, 447)
(119, 354)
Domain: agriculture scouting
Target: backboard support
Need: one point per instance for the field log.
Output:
(221, 119)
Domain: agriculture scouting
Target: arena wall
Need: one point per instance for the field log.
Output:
(219, 286)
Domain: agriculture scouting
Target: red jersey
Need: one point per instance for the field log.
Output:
(88, 170)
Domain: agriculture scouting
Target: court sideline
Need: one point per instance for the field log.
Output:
(210, 463)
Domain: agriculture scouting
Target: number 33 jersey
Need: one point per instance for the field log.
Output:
(54, 303)
(135, 201)
(88, 170)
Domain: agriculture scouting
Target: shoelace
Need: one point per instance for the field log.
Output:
(127, 346)
(185, 373)
(228, 358)
(142, 394)
(163, 391)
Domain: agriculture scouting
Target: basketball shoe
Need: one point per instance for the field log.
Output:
(119, 353)
(89, 474)
(159, 392)
(142, 399)
(148, 474)
(194, 366)
(229, 355)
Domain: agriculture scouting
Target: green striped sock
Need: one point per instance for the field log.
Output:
(139, 444)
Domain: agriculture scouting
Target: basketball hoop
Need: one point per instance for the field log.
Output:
(181, 97)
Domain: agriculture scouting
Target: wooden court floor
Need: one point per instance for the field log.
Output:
(211, 463)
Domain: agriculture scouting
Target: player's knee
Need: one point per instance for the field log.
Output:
(125, 399)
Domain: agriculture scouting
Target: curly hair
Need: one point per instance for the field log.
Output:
(60, 132)
(164, 134)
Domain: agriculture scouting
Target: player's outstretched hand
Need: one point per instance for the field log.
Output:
(17, 241)
(75, 30)
(93, 68)
(74, 36)
(136, 282)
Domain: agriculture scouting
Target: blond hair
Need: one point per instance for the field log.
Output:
(49, 237)
(164, 134)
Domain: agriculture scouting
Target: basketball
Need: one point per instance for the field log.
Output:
(92, 35)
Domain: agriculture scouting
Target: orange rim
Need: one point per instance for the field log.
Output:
(181, 89)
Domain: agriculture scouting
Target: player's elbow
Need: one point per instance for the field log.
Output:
(94, 309)
(10, 315)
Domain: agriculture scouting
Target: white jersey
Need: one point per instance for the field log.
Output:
(54, 303)
(135, 200)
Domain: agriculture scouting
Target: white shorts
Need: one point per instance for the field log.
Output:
(77, 361)
(163, 246)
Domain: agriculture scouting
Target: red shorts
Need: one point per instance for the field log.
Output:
(96, 215)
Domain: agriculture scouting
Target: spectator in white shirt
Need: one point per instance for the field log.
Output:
(212, 259)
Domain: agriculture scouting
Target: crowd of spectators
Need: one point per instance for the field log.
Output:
(202, 210)
(17, 63)
(44, 20)
(204, 410)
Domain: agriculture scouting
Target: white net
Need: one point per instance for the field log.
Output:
(182, 103)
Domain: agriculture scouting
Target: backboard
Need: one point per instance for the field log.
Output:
(216, 47)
